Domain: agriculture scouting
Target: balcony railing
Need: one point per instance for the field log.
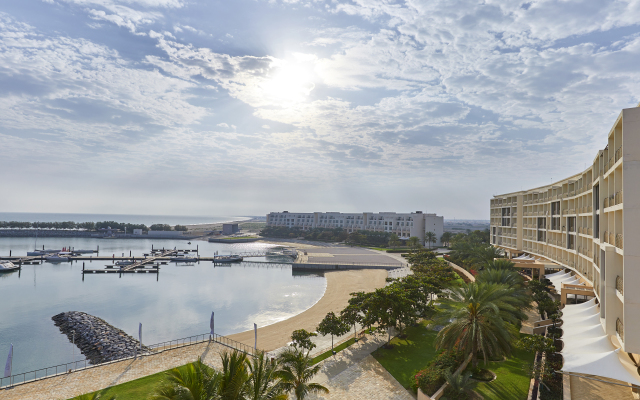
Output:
(618, 154)
(618, 197)
(620, 328)
(619, 241)
(606, 202)
(619, 284)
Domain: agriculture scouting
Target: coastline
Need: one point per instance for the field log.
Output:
(339, 285)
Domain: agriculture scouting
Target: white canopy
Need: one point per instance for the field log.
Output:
(555, 274)
(599, 344)
(607, 364)
(560, 277)
(570, 281)
(588, 350)
(569, 315)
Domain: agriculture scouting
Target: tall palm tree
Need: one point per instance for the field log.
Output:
(481, 318)
(500, 263)
(430, 237)
(234, 376)
(194, 381)
(296, 372)
(263, 383)
(512, 280)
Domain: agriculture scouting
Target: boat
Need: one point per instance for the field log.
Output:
(84, 251)
(227, 259)
(8, 266)
(124, 262)
(56, 259)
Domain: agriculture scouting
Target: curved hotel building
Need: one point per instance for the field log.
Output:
(588, 225)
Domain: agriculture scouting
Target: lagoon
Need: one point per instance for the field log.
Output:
(177, 303)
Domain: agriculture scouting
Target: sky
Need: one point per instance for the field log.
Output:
(243, 107)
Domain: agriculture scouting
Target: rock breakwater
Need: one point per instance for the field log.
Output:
(97, 340)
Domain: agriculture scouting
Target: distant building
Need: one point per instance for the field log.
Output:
(405, 225)
(165, 234)
(137, 231)
(230, 229)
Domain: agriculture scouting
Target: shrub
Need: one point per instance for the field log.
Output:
(451, 394)
(431, 378)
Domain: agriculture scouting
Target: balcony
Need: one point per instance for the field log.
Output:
(618, 154)
(620, 329)
(618, 197)
(606, 202)
(618, 241)
(619, 284)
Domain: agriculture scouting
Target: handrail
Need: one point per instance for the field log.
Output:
(619, 284)
(66, 368)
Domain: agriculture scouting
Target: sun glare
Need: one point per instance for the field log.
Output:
(290, 82)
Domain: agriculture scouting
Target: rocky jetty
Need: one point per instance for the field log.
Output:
(96, 339)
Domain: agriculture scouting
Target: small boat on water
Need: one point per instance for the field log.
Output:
(8, 266)
(227, 259)
(84, 251)
(56, 259)
(124, 262)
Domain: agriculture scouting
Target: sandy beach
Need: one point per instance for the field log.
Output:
(336, 296)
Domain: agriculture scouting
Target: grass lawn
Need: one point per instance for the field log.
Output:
(138, 389)
(408, 355)
(512, 381)
(328, 354)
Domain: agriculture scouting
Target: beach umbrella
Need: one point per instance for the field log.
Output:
(140, 335)
(7, 368)
(255, 331)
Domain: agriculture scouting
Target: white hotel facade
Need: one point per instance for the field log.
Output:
(584, 225)
(405, 225)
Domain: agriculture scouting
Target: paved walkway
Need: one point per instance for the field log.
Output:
(582, 388)
(92, 379)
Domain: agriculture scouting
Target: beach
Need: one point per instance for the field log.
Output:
(339, 285)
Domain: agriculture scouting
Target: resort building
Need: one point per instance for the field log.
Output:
(405, 225)
(583, 226)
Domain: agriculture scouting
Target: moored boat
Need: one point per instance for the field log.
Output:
(56, 259)
(7, 266)
(227, 259)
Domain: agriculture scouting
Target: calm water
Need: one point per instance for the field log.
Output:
(176, 303)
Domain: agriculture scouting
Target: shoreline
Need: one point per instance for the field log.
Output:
(339, 285)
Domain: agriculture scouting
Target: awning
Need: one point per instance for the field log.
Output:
(555, 274)
(608, 364)
(588, 350)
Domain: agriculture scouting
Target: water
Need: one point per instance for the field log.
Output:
(174, 304)
(124, 218)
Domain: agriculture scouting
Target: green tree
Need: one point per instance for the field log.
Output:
(394, 241)
(296, 372)
(332, 325)
(301, 339)
(480, 319)
(430, 237)
(181, 228)
(195, 381)
(501, 263)
(414, 243)
(234, 376)
(445, 239)
(351, 315)
(93, 396)
(263, 382)
(459, 386)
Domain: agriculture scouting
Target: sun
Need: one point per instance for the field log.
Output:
(289, 82)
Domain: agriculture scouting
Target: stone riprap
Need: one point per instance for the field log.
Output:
(96, 339)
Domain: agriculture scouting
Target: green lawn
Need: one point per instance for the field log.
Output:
(512, 381)
(328, 354)
(138, 389)
(408, 355)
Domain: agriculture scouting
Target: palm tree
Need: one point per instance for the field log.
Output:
(459, 386)
(430, 237)
(234, 376)
(500, 263)
(481, 318)
(263, 383)
(296, 372)
(414, 242)
(194, 381)
(446, 238)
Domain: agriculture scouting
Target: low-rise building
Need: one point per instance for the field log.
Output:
(405, 225)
